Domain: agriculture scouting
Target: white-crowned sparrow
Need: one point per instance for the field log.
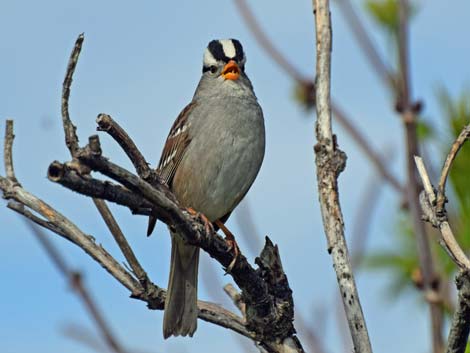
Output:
(211, 157)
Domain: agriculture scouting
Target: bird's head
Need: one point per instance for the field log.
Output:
(224, 65)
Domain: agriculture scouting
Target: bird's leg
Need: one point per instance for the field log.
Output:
(208, 227)
(230, 240)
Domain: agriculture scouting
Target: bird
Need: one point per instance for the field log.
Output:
(210, 159)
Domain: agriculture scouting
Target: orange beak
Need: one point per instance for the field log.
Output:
(231, 71)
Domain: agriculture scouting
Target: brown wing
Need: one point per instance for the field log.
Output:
(175, 146)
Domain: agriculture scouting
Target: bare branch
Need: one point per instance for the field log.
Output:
(236, 298)
(330, 163)
(107, 124)
(71, 139)
(438, 218)
(64, 175)
(7, 151)
(437, 215)
(19, 208)
(69, 231)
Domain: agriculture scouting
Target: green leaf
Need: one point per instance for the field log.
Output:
(385, 14)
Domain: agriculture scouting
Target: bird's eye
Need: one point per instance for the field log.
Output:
(213, 69)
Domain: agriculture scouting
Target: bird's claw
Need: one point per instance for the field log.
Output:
(208, 227)
(232, 246)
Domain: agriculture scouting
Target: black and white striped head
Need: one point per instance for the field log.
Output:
(224, 58)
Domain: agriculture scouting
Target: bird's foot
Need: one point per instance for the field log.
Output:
(232, 244)
(208, 227)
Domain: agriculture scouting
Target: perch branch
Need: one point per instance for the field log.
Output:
(330, 163)
(255, 291)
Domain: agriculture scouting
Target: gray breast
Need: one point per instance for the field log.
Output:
(224, 155)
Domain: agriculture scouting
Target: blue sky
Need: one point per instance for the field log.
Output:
(141, 63)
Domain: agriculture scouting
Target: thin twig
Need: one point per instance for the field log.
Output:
(463, 136)
(330, 163)
(121, 241)
(236, 298)
(107, 124)
(7, 151)
(20, 209)
(71, 139)
(438, 218)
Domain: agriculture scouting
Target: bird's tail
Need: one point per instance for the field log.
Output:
(180, 317)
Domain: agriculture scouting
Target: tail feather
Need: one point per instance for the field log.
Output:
(180, 317)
